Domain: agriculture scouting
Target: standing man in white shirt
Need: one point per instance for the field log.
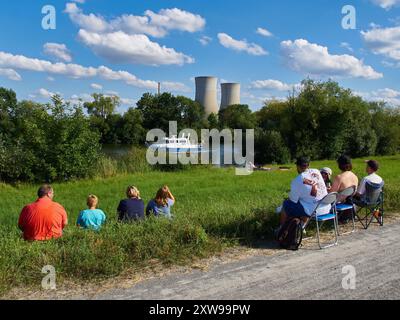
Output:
(306, 191)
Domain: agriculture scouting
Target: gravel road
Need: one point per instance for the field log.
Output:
(307, 275)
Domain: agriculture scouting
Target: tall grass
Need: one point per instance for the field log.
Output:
(214, 209)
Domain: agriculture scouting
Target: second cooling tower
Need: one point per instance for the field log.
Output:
(230, 94)
(206, 94)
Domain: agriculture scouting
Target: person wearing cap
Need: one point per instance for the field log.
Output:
(327, 176)
(347, 178)
(306, 191)
(372, 169)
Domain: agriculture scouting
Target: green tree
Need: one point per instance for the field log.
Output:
(102, 106)
(237, 117)
(132, 132)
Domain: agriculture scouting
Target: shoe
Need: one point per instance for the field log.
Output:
(377, 214)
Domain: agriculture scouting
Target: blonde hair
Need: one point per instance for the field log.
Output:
(133, 192)
(92, 201)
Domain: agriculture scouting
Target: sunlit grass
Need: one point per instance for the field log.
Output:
(214, 208)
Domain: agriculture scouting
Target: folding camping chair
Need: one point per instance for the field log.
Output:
(347, 194)
(330, 199)
(370, 204)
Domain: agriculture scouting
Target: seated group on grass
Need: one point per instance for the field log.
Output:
(312, 185)
(45, 219)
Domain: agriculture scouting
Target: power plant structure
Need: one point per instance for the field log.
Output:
(230, 94)
(206, 94)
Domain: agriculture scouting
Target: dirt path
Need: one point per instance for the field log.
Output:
(307, 274)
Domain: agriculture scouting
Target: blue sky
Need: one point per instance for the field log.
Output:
(126, 47)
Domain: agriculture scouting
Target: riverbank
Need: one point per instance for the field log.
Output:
(215, 209)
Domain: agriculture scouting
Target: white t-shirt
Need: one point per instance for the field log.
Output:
(301, 192)
(373, 178)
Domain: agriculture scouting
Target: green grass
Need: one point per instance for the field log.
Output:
(214, 209)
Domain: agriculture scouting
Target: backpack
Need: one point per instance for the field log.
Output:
(290, 235)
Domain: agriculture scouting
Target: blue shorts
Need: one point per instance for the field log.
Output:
(294, 210)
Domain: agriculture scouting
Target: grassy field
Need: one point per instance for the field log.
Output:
(214, 209)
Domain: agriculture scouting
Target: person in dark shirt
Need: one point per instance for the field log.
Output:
(131, 209)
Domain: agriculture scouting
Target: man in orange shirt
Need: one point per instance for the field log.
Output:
(44, 219)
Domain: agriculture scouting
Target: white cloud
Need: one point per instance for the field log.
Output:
(51, 79)
(11, 74)
(90, 22)
(241, 45)
(119, 47)
(271, 84)
(390, 96)
(96, 86)
(57, 50)
(44, 93)
(76, 71)
(264, 32)
(313, 59)
(205, 40)
(386, 4)
(153, 24)
(347, 46)
(383, 41)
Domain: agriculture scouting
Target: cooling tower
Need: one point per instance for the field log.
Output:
(206, 94)
(230, 94)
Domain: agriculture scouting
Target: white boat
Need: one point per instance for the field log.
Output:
(178, 145)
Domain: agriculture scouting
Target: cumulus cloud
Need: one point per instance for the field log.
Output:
(390, 96)
(347, 46)
(241, 45)
(137, 49)
(313, 59)
(44, 93)
(383, 41)
(57, 50)
(11, 74)
(386, 4)
(205, 40)
(271, 84)
(96, 86)
(264, 32)
(151, 23)
(76, 71)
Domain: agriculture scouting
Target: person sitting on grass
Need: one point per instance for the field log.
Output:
(306, 191)
(44, 219)
(91, 218)
(161, 205)
(131, 209)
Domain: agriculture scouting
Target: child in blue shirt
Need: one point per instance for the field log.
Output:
(91, 218)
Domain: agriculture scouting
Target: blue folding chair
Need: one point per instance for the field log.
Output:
(347, 195)
(330, 199)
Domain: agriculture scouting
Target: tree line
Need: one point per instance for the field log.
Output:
(60, 141)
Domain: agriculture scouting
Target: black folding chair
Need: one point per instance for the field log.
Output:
(371, 206)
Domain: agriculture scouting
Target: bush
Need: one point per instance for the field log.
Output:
(271, 148)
